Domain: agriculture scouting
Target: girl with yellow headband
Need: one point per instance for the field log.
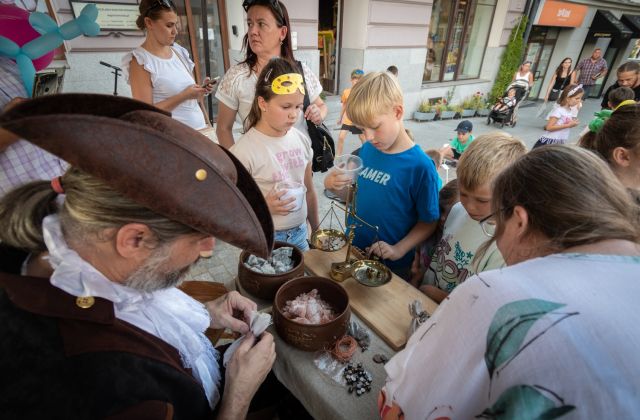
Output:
(278, 155)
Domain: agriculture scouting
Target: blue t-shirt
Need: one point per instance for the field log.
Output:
(395, 191)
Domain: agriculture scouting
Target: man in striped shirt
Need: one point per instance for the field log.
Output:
(590, 70)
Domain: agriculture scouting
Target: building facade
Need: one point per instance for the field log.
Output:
(574, 29)
(441, 47)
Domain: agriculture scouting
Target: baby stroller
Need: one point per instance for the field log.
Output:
(509, 115)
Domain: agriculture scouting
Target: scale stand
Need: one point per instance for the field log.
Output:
(116, 73)
(340, 271)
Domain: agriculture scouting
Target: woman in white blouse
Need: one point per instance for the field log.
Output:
(268, 36)
(162, 72)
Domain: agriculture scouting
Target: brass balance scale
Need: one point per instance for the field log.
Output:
(369, 272)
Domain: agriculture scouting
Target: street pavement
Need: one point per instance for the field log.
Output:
(222, 267)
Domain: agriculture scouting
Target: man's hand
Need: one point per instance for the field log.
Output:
(246, 370)
(231, 311)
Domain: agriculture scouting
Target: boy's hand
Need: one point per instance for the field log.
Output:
(336, 180)
(384, 251)
(278, 206)
(574, 122)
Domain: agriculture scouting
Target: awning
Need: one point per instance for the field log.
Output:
(606, 25)
(632, 22)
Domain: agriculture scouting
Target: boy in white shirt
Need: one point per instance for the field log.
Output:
(454, 259)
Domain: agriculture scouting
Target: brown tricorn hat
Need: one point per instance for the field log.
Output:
(147, 156)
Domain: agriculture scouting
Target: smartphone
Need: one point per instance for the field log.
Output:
(211, 82)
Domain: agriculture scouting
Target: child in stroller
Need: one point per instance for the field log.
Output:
(507, 102)
(504, 111)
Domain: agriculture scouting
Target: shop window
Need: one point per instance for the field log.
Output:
(458, 35)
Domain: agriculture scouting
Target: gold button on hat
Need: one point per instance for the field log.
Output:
(201, 174)
(85, 302)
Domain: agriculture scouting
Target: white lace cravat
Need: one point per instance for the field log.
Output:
(168, 314)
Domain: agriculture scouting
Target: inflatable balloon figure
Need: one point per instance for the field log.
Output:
(30, 39)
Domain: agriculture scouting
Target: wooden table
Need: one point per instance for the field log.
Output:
(384, 308)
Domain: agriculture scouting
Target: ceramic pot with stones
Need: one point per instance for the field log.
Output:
(310, 337)
(265, 286)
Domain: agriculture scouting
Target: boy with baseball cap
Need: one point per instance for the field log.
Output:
(459, 144)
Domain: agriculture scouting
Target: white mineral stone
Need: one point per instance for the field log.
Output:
(279, 262)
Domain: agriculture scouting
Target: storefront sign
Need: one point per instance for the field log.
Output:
(112, 16)
(559, 13)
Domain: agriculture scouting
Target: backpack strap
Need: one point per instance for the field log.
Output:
(307, 101)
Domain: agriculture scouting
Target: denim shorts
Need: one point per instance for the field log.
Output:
(296, 236)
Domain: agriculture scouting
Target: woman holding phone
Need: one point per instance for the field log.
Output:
(160, 71)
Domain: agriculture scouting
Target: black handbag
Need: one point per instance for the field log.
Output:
(555, 93)
(321, 141)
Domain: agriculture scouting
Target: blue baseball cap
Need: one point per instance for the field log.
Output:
(464, 126)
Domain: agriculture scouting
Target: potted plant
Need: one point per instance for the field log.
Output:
(444, 110)
(458, 110)
(480, 104)
(468, 108)
(426, 111)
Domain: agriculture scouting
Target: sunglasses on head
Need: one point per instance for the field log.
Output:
(246, 4)
(167, 4)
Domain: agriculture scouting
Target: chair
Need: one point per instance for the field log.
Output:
(205, 291)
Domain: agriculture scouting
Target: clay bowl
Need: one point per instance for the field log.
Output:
(265, 286)
(312, 337)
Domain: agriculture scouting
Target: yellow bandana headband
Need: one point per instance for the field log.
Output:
(624, 103)
(287, 83)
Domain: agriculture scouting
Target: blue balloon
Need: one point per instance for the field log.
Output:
(51, 37)
(42, 23)
(27, 72)
(8, 47)
(38, 47)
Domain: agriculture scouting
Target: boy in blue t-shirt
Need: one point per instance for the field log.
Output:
(398, 185)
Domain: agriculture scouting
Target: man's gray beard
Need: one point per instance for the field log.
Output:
(152, 276)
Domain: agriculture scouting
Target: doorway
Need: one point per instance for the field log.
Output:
(329, 23)
(204, 34)
(542, 41)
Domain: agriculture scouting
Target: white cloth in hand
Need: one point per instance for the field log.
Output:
(258, 324)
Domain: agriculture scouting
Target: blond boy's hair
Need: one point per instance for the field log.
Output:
(486, 157)
(375, 94)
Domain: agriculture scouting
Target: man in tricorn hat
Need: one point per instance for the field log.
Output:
(108, 334)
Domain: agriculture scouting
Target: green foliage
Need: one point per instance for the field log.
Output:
(468, 103)
(510, 60)
(426, 107)
(457, 108)
(442, 105)
(478, 101)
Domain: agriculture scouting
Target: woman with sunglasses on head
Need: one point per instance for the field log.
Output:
(562, 77)
(268, 36)
(160, 71)
(555, 333)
